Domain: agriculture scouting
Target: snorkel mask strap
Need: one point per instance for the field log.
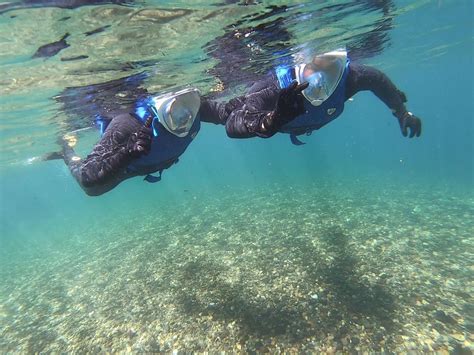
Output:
(154, 113)
(144, 111)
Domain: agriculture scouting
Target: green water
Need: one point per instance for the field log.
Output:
(360, 240)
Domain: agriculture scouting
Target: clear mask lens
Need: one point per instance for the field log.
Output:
(177, 111)
(323, 75)
(317, 85)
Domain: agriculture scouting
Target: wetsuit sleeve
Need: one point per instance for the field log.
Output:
(362, 78)
(212, 112)
(104, 167)
(246, 113)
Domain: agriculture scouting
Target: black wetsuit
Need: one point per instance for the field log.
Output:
(247, 112)
(106, 166)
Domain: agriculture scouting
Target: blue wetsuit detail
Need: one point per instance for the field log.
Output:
(284, 74)
(143, 109)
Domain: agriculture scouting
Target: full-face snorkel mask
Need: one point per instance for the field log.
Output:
(323, 74)
(176, 111)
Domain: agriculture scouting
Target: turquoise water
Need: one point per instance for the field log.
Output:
(360, 240)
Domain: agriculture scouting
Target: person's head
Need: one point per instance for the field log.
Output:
(323, 73)
(176, 111)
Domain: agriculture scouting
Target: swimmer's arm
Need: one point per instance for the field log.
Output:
(259, 97)
(245, 114)
(212, 112)
(105, 167)
(362, 77)
(366, 78)
(231, 114)
(264, 112)
(100, 171)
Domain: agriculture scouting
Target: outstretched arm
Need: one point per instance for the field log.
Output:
(104, 168)
(238, 115)
(212, 111)
(262, 113)
(362, 78)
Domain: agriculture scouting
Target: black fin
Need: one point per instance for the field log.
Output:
(152, 178)
(294, 139)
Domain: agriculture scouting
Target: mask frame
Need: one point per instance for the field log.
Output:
(168, 108)
(326, 73)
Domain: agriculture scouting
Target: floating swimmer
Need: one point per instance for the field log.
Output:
(141, 134)
(332, 79)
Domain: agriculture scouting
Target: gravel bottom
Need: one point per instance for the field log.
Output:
(322, 268)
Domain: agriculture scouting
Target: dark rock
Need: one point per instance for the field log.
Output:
(445, 318)
(448, 303)
(154, 346)
(258, 345)
(469, 326)
(342, 331)
(378, 337)
(459, 349)
(468, 308)
(440, 327)
(463, 294)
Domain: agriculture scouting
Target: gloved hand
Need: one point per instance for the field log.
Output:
(290, 104)
(409, 120)
(139, 142)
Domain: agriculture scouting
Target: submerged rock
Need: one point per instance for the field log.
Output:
(445, 318)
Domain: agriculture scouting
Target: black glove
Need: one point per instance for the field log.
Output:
(409, 120)
(290, 104)
(139, 142)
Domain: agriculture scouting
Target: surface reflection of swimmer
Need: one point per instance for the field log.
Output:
(62, 4)
(140, 135)
(332, 80)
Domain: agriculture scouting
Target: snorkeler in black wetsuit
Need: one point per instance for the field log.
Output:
(251, 112)
(331, 80)
(148, 139)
